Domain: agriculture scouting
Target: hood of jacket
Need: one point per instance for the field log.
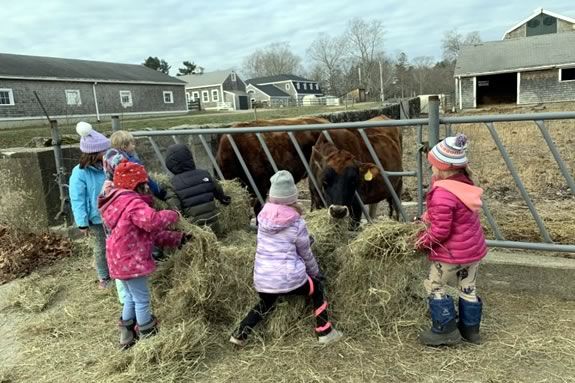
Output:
(113, 205)
(276, 217)
(464, 189)
(179, 159)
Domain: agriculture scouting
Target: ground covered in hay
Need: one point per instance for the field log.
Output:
(63, 329)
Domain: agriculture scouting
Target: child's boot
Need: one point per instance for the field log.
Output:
(128, 333)
(444, 326)
(469, 319)
(148, 329)
(331, 337)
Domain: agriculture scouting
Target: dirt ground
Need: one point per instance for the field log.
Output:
(525, 339)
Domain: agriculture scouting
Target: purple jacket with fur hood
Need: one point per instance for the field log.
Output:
(283, 255)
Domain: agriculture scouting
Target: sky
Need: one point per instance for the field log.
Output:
(219, 34)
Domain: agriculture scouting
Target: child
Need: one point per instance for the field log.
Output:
(124, 147)
(135, 228)
(284, 263)
(85, 183)
(455, 241)
(194, 189)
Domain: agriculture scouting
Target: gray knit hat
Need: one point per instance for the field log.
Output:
(283, 190)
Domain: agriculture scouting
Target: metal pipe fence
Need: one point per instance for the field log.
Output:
(432, 123)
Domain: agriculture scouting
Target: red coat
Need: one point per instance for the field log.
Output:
(135, 228)
(454, 233)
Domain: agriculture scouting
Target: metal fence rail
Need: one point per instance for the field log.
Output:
(432, 123)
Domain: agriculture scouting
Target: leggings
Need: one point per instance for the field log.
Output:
(261, 310)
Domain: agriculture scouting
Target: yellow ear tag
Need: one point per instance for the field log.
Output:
(368, 176)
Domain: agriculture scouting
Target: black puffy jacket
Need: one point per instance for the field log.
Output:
(194, 189)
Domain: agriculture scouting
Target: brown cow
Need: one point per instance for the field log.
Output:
(281, 149)
(344, 167)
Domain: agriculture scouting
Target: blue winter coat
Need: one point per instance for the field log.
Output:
(85, 185)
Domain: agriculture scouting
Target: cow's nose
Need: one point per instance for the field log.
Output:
(338, 211)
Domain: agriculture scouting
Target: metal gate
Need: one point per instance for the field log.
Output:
(432, 125)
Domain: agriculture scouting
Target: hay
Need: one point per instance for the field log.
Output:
(378, 285)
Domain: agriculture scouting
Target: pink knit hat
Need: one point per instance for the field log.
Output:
(91, 141)
(449, 153)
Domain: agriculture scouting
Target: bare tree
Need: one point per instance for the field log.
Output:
(422, 67)
(366, 42)
(329, 54)
(274, 59)
(453, 41)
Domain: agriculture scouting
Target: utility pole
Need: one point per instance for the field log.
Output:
(381, 83)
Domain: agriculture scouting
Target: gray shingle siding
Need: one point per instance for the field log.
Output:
(467, 92)
(146, 98)
(237, 85)
(544, 86)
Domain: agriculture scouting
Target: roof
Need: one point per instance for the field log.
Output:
(277, 78)
(544, 51)
(536, 13)
(271, 90)
(27, 67)
(206, 79)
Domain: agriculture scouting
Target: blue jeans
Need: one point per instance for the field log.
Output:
(100, 251)
(137, 300)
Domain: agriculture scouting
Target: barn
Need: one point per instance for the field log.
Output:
(534, 63)
(84, 89)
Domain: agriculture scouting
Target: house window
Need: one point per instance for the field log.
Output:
(215, 95)
(195, 96)
(73, 97)
(233, 76)
(168, 97)
(205, 96)
(288, 87)
(567, 74)
(126, 98)
(297, 85)
(188, 97)
(6, 97)
(316, 86)
(305, 86)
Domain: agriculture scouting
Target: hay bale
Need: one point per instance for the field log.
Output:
(237, 215)
(379, 284)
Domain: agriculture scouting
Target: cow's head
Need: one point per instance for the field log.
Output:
(340, 175)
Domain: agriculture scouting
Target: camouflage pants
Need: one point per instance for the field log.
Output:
(443, 274)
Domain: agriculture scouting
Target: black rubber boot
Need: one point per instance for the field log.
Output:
(128, 335)
(444, 326)
(470, 319)
(148, 329)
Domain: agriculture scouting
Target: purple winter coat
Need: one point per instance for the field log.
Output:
(283, 254)
(454, 233)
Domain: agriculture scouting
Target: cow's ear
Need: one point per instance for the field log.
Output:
(368, 171)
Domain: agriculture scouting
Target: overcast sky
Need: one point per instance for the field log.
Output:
(218, 34)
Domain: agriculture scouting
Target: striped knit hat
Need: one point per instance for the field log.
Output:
(449, 153)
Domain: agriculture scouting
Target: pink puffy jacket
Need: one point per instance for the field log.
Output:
(454, 233)
(135, 228)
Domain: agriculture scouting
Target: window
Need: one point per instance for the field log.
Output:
(126, 98)
(205, 96)
(297, 84)
(6, 97)
(288, 87)
(233, 76)
(215, 95)
(316, 86)
(305, 86)
(73, 97)
(188, 97)
(168, 97)
(195, 96)
(565, 74)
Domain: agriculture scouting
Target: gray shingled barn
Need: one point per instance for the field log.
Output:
(82, 88)
(534, 63)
